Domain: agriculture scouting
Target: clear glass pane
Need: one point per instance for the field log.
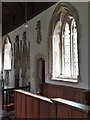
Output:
(75, 50)
(67, 50)
(56, 55)
(7, 56)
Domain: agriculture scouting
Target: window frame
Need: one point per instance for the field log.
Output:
(53, 23)
(4, 39)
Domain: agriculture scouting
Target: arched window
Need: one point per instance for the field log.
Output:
(64, 46)
(7, 54)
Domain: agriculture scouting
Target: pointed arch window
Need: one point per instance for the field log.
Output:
(7, 54)
(65, 48)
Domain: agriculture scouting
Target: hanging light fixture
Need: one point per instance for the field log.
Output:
(26, 22)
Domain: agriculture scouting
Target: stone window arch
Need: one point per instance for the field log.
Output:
(63, 44)
(7, 53)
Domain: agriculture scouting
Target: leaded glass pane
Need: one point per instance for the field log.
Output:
(75, 50)
(67, 50)
(7, 55)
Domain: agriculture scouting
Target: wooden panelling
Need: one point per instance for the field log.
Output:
(87, 95)
(33, 106)
(17, 104)
(29, 108)
(52, 111)
(28, 105)
(43, 109)
(69, 93)
(36, 110)
(70, 109)
(23, 105)
(65, 112)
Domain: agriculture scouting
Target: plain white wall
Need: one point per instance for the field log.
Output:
(41, 50)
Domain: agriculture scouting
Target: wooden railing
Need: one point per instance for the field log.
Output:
(28, 105)
(8, 94)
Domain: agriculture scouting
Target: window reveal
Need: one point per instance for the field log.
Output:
(7, 55)
(65, 49)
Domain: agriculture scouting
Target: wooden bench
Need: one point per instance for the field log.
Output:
(28, 105)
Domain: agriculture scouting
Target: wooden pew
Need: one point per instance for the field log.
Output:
(70, 109)
(28, 105)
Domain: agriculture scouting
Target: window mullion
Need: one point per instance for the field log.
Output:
(63, 55)
(53, 55)
(71, 50)
(60, 47)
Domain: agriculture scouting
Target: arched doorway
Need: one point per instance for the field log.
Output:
(40, 72)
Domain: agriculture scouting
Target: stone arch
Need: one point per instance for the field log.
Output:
(39, 68)
(54, 19)
(6, 52)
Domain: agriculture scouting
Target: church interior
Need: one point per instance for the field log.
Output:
(44, 60)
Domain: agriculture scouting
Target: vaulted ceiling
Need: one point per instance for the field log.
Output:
(13, 13)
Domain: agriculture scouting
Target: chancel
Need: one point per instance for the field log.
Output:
(44, 68)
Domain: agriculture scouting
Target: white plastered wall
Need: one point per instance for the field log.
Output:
(41, 50)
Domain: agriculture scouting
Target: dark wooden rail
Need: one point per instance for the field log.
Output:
(8, 94)
(28, 105)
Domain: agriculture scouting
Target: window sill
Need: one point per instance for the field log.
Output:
(65, 80)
